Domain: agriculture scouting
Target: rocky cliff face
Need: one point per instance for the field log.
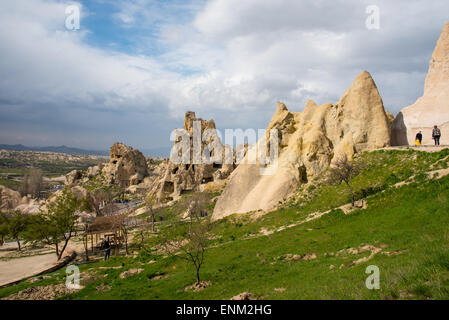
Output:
(9, 199)
(178, 178)
(12, 200)
(126, 167)
(308, 142)
(433, 107)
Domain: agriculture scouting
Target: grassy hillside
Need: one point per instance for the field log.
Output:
(403, 231)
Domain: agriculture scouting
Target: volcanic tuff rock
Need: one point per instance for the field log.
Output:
(177, 178)
(73, 176)
(433, 107)
(308, 142)
(9, 199)
(30, 206)
(126, 167)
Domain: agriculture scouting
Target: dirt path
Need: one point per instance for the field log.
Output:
(16, 269)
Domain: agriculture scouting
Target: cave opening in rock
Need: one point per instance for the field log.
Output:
(206, 180)
(168, 187)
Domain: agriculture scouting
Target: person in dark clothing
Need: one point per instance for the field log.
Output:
(436, 135)
(419, 137)
(107, 249)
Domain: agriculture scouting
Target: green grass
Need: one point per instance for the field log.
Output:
(178, 208)
(50, 168)
(412, 219)
(9, 183)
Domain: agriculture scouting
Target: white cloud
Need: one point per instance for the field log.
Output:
(230, 60)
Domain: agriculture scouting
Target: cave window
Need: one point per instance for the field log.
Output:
(217, 165)
(175, 170)
(206, 180)
(168, 187)
(303, 174)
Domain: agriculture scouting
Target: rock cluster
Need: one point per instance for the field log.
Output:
(12, 200)
(30, 206)
(73, 176)
(9, 199)
(177, 178)
(126, 167)
(433, 107)
(308, 142)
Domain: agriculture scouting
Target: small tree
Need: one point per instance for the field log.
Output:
(195, 205)
(16, 224)
(101, 200)
(124, 229)
(344, 170)
(3, 228)
(59, 224)
(42, 230)
(150, 202)
(189, 243)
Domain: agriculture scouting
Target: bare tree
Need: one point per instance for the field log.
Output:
(124, 228)
(189, 245)
(101, 200)
(86, 246)
(32, 182)
(343, 170)
(195, 205)
(150, 202)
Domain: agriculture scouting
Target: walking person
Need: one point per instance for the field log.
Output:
(107, 249)
(436, 135)
(418, 139)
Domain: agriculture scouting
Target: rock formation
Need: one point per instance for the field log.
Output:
(30, 206)
(9, 199)
(433, 107)
(12, 200)
(308, 142)
(73, 176)
(126, 166)
(178, 178)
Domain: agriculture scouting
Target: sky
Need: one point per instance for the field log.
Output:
(134, 67)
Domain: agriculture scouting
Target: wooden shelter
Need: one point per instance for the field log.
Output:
(105, 227)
